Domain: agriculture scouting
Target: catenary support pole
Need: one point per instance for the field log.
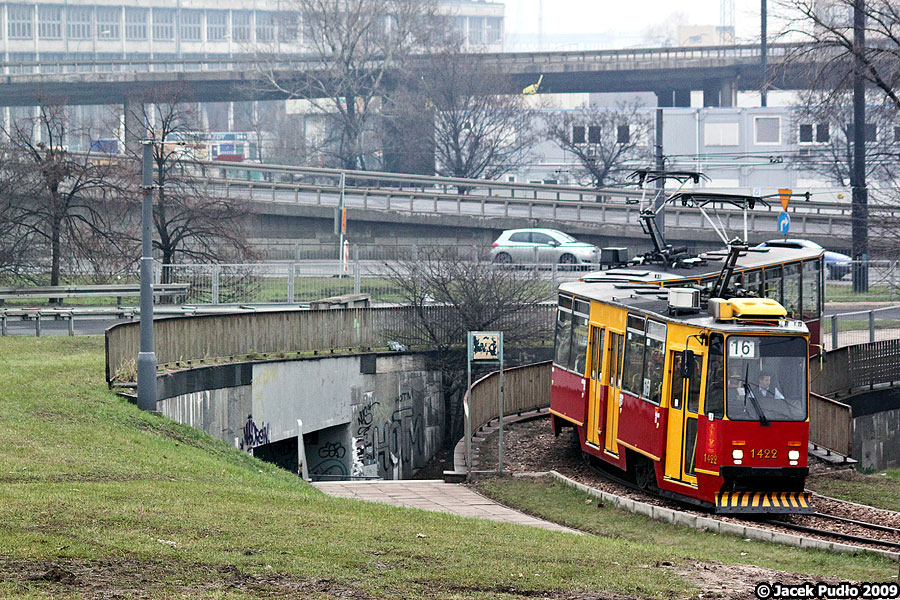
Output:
(146, 360)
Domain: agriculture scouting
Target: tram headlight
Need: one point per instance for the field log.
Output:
(737, 454)
(793, 455)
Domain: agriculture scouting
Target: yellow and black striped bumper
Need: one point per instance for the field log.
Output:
(762, 502)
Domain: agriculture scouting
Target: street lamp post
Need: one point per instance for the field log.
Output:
(146, 360)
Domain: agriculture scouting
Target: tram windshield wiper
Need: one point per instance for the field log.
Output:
(763, 420)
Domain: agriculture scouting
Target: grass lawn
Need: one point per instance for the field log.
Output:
(881, 489)
(99, 499)
(562, 504)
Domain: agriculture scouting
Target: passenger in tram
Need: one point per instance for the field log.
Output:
(735, 389)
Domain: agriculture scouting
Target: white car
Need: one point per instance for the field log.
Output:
(540, 246)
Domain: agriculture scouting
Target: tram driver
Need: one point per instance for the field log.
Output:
(766, 389)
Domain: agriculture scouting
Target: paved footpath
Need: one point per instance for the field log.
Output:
(433, 495)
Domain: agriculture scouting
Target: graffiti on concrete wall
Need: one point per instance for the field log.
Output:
(254, 435)
(389, 437)
(332, 464)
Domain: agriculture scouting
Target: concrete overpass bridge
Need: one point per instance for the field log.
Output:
(719, 71)
(297, 205)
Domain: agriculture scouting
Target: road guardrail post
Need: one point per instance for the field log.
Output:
(356, 271)
(834, 332)
(292, 273)
(215, 284)
(871, 326)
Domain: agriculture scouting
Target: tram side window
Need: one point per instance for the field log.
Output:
(634, 356)
(615, 359)
(753, 282)
(792, 290)
(773, 283)
(597, 335)
(654, 362)
(563, 337)
(812, 274)
(715, 377)
(579, 344)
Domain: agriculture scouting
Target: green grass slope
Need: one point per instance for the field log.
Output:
(101, 500)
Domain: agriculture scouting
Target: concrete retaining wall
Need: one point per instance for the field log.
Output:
(876, 440)
(369, 415)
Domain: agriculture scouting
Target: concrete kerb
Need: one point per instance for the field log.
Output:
(676, 517)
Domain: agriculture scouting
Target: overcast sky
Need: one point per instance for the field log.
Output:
(630, 16)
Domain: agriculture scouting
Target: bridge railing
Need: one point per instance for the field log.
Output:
(302, 62)
(861, 327)
(208, 339)
(525, 388)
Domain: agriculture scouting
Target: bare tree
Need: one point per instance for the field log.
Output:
(477, 130)
(452, 294)
(191, 222)
(825, 128)
(358, 47)
(60, 200)
(607, 143)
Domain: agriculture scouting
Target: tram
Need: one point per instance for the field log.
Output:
(691, 375)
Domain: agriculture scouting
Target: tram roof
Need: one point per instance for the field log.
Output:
(637, 286)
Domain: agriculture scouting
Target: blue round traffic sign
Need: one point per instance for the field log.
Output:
(784, 223)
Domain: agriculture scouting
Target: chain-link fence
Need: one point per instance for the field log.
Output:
(861, 327)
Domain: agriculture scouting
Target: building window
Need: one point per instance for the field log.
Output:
(871, 132)
(108, 18)
(240, 25)
(593, 134)
(578, 134)
(163, 24)
(288, 24)
(493, 30)
(767, 130)
(216, 25)
(814, 133)
(49, 22)
(265, 27)
(623, 134)
(721, 134)
(476, 31)
(79, 22)
(191, 25)
(135, 23)
(21, 21)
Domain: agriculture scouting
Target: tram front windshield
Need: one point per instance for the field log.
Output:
(766, 378)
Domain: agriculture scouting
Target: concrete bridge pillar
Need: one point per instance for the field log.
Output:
(134, 126)
(728, 93)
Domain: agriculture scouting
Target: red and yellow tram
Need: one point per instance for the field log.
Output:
(708, 406)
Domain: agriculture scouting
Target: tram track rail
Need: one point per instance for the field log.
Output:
(865, 542)
(847, 537)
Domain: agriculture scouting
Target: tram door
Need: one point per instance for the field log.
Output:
(597, 396)
(684, 406)
(613, 374)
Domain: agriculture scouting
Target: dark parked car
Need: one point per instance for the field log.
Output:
(836, 263)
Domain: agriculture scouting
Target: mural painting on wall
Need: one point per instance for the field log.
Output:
(388, 437)
(254, 435)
